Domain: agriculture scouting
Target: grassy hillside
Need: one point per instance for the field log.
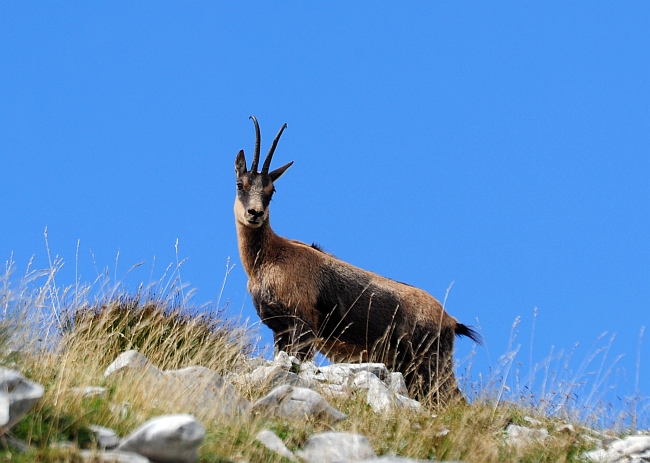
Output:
(65, 338)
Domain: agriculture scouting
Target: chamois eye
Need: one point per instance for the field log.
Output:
(240, 185)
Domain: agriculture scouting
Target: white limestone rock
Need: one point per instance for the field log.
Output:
(309, 371)
(17, 397)
(602, 456)
(442, 433)
(274, 376)
(307, 366)
(365, 379)
(132, 360)
(297, 403)
(272, 442)
(106, 437)
(342, 373)
(378, 396)
(286, 361)
(259, 375)
(632, 448)
(406, 403)
(167, 439)
(532, 421)
(287, 377)
(336, 447)
(334, 390)
(521, 436)
(566, 429)
(397, 384)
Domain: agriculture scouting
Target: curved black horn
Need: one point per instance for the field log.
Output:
(267, 161)
(256, 156)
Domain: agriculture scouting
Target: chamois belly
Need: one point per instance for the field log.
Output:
(354, 311)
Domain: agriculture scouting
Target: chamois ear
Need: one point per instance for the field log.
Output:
(240, 164)
(277, 173)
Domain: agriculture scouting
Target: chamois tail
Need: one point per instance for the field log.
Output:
(464, 330)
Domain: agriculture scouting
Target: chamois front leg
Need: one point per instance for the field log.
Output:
(296, 340)
(291, 333)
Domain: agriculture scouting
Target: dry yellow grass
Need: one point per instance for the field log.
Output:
(66, 345)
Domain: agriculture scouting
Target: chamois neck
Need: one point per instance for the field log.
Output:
(254, 244)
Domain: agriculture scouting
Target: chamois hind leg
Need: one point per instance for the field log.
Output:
(427, 365)
(415, 358)
(436, 371)
(436, 380)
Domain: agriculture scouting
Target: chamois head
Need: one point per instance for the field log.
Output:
(255, 189)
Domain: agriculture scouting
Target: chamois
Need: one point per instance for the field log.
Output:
(313, 301)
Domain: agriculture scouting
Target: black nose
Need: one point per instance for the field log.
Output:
(255, 213)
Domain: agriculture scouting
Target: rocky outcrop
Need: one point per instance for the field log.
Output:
(521, 436)
(333, 447)
(196, 390)
(298, 392)
(297, 403)
(634, 448)
(17, 397)
(167, 439)
(629, 449)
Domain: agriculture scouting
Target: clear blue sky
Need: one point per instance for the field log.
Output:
(504, 147)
